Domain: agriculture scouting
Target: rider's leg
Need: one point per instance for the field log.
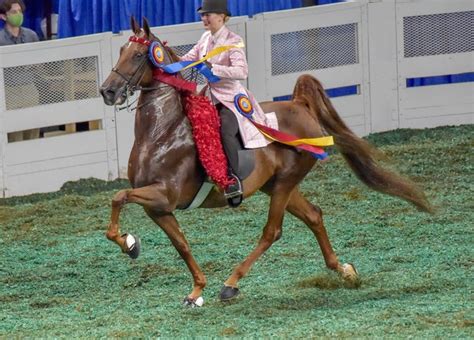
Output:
(229, 135)
(231, 144)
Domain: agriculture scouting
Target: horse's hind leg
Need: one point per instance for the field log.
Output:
(271, 233)
(313, 217)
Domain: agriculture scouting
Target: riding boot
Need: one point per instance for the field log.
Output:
(229, 132)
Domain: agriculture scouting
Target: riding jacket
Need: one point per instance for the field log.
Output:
(231, 66)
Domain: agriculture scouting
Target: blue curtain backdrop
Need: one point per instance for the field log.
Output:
(79, 17)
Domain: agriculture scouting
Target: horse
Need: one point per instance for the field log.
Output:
(165, 172)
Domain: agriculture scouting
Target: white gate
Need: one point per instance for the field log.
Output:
(46, 86)
(435, 40)
(371, 49)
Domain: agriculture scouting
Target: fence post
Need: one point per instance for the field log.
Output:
(109, 121)
(3, 133)
(382, 28)
(257, 80)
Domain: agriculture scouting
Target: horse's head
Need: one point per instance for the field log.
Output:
(134, 68)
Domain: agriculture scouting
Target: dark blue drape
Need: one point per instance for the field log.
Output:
(440, 80)
(79, 17)
(325, 2)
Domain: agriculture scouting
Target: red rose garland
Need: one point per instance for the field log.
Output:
(205, 123)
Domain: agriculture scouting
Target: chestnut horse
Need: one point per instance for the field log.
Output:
(165, 172)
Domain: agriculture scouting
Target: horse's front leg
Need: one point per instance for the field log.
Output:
(151, 196)
(158, 204)
(170, 226)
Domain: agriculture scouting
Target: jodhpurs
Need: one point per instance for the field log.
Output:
(229, 135)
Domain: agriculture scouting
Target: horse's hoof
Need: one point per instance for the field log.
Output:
(228, 293)
(133, 245)
(349, 273)
(188, 302)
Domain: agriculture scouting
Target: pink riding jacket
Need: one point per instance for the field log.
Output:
(231, 66)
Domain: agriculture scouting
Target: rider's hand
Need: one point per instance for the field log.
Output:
(208, 64)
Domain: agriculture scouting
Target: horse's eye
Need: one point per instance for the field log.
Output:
(138, 55)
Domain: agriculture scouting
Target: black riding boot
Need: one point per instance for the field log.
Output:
(230, 142)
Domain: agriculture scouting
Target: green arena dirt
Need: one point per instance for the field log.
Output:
(60, 277)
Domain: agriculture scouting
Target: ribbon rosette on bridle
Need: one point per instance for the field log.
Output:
(156, 54)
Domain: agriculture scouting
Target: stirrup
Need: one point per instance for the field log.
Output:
(233, 190)
(234, 193)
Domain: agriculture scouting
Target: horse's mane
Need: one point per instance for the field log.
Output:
(172, 53)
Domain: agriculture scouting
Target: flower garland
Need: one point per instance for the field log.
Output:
(205, 123)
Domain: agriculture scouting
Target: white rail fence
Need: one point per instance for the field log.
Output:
(370, 49)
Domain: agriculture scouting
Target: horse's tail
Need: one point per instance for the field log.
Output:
(358, 153)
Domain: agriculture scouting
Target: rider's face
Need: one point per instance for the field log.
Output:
(212, 21)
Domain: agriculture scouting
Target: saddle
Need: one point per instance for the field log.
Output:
(205, 123)
(246, 161)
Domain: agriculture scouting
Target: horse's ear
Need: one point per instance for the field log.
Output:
(134, 25)
(146, 27)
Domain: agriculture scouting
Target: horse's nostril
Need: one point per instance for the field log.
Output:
(107, 93)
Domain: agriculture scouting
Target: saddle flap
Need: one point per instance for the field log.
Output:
(246, 163)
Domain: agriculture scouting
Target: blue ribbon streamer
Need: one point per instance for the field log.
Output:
(202, 68)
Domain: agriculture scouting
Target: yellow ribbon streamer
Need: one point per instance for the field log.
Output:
(320, 142)
(214, 52)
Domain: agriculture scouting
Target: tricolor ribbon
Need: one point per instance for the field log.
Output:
(312, 145)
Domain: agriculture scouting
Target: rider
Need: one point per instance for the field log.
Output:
(231, 67)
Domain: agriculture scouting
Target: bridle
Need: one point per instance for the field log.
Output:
(131, 86)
